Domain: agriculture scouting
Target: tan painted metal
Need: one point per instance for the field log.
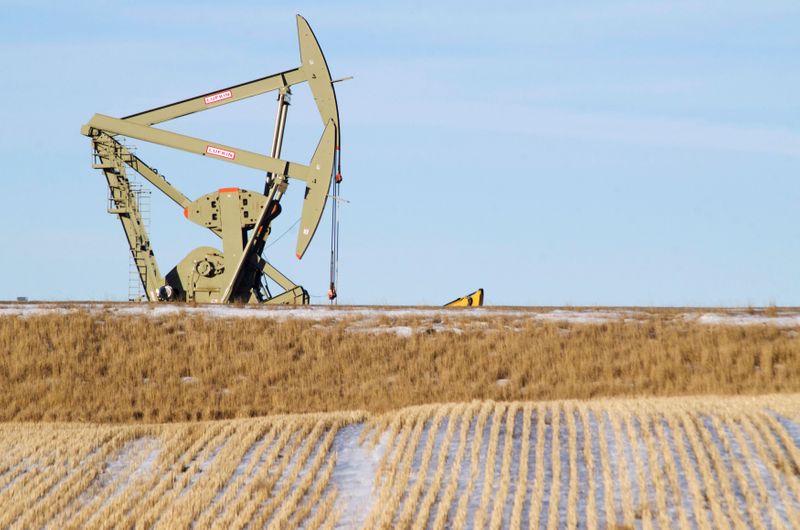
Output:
(241, 218)
(238, 93)
(111, 158)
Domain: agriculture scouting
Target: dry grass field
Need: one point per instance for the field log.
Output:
(90, 363)
(139, 416)
(659, 462)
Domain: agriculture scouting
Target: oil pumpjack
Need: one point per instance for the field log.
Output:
(241, 218)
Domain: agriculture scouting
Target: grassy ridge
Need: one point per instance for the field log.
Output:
(86, 366)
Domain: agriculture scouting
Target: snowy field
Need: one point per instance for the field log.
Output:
(648, 463)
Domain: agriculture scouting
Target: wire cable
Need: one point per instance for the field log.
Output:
(283, 234)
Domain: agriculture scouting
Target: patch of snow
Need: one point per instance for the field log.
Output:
(684, 495)
(260, 450)
(771, 486)
(782, 320)
(354, 475)
(529, 483)
(579, 316)
(582, 467)
(240, 468)
(203, 467)
(747, 482)
(449, 455)
(400, 331)
(474, 500)
(547, 472)
(26, 310)
(791, 427)
(16, 472)
(462, 481)
(140, 453)
(563, 446)
(592, 431)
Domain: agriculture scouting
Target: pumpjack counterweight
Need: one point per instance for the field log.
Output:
(240, 218)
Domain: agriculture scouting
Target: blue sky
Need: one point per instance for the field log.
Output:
(604, 153)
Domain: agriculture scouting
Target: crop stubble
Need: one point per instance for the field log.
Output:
(445, 465)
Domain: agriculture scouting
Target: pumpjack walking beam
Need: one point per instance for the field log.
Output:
(241, 218)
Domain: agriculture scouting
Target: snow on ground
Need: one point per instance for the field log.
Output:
(586, 316)
(656, 479)
(689, 462)
(782, 319)
(354, 475)
(316, 313)
(400, 331)
(136, 459)
(369, 319)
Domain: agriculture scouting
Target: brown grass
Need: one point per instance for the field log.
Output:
(99, 367)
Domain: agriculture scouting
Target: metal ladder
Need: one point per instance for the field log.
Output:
(133, 199)
(137, 267)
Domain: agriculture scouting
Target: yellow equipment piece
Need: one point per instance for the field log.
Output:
(471, 300)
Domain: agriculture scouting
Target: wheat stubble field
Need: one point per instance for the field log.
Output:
(122, 416)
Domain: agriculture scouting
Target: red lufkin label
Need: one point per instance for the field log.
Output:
(222, 153)
(219, 96)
